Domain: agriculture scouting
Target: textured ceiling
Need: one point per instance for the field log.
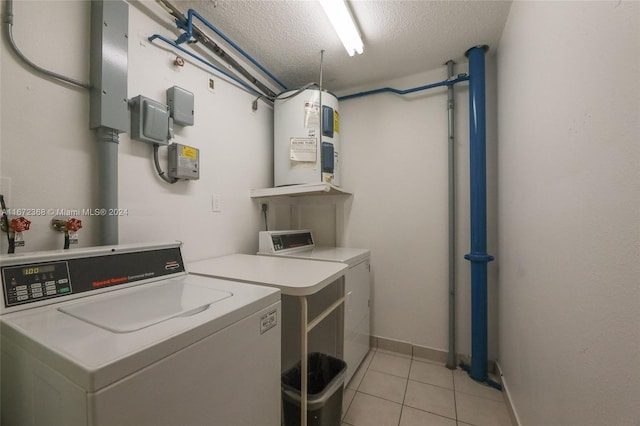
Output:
(400, 37)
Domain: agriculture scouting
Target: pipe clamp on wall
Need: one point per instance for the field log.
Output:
(479, 257)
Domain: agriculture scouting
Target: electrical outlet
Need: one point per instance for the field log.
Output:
(211, 84)
(216, 204)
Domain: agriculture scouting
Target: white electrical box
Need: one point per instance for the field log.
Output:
(184, 162)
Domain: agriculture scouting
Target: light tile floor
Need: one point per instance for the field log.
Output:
(395, 389)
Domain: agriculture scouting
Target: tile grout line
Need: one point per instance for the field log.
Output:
(455, 395)
(393, 375)
(431, 384)
(404, 396)
(355, 391)
(384, 372)
(476, 395)
(441, 387)
(407, 379)
(379, 397)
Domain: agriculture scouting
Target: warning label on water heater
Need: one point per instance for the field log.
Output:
(311, 115)
(303, 149)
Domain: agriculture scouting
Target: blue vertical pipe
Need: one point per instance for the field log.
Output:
(478, 189)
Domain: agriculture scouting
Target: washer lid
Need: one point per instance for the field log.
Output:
(122, 313)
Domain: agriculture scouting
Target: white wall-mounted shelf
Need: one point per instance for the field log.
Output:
(299, 191)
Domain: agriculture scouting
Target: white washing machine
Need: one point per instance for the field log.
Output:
(123, 335)
(300, 245)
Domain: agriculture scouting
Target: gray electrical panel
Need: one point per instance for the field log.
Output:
(149, 121)
(184, 162)
(109, 63)
(180, 103)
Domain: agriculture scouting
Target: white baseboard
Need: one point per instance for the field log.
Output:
(436, 355)
(515, 420)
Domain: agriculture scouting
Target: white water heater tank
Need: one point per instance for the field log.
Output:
(306, 138)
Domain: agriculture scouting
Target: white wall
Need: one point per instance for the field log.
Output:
(395, 163)
(48, 152)
(569, 207)
(395, 154)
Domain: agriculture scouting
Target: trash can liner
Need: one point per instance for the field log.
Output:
(325, 376)
(314, 401)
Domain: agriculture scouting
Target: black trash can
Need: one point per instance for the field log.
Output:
(324, 391)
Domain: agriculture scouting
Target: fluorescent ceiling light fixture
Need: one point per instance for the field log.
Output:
(342, 22)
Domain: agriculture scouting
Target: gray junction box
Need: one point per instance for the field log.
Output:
(149, 121)
(181, 104)
(184, 162)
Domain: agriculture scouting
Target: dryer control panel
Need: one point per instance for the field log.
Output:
(271, 242)
(37, 277)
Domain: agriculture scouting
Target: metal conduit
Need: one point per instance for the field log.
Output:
(449, 82)
(182, 23)
(451, 356)
(191, 13)
(8, 31)
(320, 135)
(109, 114)
(108, 140)
(209, 64)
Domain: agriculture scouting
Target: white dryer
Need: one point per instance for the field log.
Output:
(299, 244)
(123, 335)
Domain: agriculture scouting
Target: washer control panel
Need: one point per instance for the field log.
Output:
(34, 278)
(35, 282)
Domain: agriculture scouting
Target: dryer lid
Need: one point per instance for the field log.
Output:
(125, 313)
